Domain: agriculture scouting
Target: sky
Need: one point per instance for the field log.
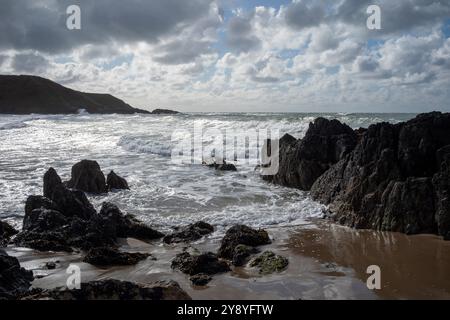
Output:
(238, 56)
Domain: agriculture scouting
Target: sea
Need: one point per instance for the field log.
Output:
(163, 193)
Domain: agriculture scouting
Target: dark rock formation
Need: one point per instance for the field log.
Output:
(223, 166)
(241, 234)
(6, 232)
(302, 161)
(14, 280)
(396, 178)
(200, 279)
(206, 263)
(69, 221)
(114, 182)
(117, 290)
(71, 203)
(192, 232)
(107, 256)
(164, 111)
(30, 94)
(241, 254)
(88, 177)
(269, 262)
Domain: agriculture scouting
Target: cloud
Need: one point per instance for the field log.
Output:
(301, 15)
(240, 35)
(31, 63)
(41, 25)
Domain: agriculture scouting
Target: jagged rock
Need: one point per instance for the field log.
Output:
(51, 265)
(43, 220)
(37, 202)
(302, 161)
(114, 182)
(192, 232)
(126, 225)
(71, 203)
(269, 262)
(200, 279)
(44, 241)
(241, 254)
(107, 256)
(396, 178)
(240, 234)
(6, 232)
(88, 177)
(116, 290)
(14, 280)
(206, 263)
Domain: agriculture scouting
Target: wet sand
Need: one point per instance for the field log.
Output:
(326, 261)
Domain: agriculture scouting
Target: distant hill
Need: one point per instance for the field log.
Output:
(30, 94)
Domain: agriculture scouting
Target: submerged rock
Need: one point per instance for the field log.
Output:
(241, 234)
(88, 177)
(206, 263)
(117, 290)
(14, 280)
(302, 161)
(222, 166)
(396, 179)
(192, 232)
(164, 111)
(269, 262)
(114, 182)
(107, 256)
(200, 279)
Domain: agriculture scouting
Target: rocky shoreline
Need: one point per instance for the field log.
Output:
(63, 220)
(389, 177)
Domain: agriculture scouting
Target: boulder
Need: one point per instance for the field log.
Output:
(71, 203)
(241, 254)
(241, 234)
(6, 232)
(164, 111)
(302, 161)
(116, 290)
(269, 262)
(206, 263)
(221, 166)
(14, 280)
(192, 232)
(88, 177)
(107, 256)
(396, 178)
(114, 182)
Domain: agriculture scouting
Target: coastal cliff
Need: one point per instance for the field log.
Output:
(396, 177)
(30, 94)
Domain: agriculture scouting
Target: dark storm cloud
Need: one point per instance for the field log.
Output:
(240, 35)
(396, 16)
(29, 63)
(41, 25)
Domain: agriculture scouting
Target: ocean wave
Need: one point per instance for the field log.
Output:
(13, 125)
(144, 145)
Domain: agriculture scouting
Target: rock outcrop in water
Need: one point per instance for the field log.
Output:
(14, 280)
(114, 182)
(205, 263)
(192, 232)
(269, 262)
(30, 94)
(164, 111)
(65, 219)
(116, 290)
(302, 161)
(107, 256)
(238, 235)
(392, 177)
(88, 177)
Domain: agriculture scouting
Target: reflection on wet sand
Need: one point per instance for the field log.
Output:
(412, 267)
